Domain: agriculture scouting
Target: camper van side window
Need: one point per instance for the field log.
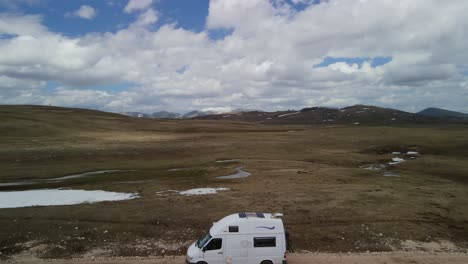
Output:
(214, 244)
(233, 229)
(264, 241)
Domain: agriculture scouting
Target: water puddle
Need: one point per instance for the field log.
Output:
(391, 174)
(166, 192)
(178, 169)
(51, 197)
(135, 182)
(396, 161)
(226, 161)
(239, 174)
(7, 184)
(81, 175)
(373, 167)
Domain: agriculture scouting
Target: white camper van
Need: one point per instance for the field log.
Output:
(247, 238)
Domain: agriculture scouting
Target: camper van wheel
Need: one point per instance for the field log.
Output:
(201, 262)
(266, 262)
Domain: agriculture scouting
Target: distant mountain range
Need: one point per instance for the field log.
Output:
(357, 114)
(165, 114)
(438, 112)
(172, 115)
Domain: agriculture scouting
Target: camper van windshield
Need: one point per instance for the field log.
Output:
(202, 241)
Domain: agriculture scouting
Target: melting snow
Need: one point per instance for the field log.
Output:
(202, 191)
(412, 153)
(48, 197)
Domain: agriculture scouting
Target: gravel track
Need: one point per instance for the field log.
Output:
(321, 258)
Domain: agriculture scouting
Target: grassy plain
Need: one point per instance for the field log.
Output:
(311, 174)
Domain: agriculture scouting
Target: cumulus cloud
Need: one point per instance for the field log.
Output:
(85, 12)
(135, 5)
(28, 25)
(267, 62)
(147, 18)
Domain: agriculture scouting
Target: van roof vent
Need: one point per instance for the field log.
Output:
(253, 215)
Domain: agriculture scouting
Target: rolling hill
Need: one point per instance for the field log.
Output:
(438, 112)
(357, 114)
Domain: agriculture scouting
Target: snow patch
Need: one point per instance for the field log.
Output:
(48, 197)
(396, 161)
(295, 113)
(202, 191)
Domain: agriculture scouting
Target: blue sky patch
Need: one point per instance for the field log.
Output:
(57, 15)
(182, 69)
(217, 34)
(299, 6)
(375, 62)
(51, 87)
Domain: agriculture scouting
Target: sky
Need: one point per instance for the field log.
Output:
(184, 55)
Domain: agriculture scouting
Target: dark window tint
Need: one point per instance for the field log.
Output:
(260, 215)
(264, 241)
(215, 243)
(233, 229)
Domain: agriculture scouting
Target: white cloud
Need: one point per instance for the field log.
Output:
(232, 13)
(85, 12)
(135, 5)
(266, 63)
(20, 26)
(147, 18)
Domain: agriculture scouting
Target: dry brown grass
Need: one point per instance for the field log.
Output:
(310, 173)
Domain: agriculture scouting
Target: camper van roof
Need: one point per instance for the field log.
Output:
(251, 215)
(247, 221)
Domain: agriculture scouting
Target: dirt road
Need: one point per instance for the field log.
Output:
(322, 258)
